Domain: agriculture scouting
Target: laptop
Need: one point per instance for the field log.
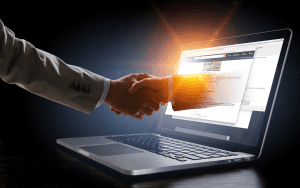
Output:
(231, 132)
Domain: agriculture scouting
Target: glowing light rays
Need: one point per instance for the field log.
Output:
(226, 21)
(190, 25)
(165, 23)
(215, 34)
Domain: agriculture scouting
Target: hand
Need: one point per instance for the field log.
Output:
(158, 92)
(132, 104)
(159, 89)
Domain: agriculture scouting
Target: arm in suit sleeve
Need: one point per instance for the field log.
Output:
(46, 75)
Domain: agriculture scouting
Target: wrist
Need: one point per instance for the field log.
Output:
(104, 92)
(110, 92)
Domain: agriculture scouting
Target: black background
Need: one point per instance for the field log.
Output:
(114, 39)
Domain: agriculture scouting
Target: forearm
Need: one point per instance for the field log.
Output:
(190, 91)
(46, 75)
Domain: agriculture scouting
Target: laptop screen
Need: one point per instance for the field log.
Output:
(243, 75)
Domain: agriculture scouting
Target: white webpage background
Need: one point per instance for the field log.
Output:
(261, 76)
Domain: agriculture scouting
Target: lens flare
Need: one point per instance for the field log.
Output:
(186, 26)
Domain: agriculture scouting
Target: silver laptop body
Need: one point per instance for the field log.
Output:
(229, 133)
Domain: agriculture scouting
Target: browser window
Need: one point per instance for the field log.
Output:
(243, 77)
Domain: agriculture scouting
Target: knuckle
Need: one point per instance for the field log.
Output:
(146, 81)
(136, 111)
(156, 108)
(140, 109)
(131, 112)
(148, 111)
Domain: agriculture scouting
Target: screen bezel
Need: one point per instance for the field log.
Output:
(286, 34)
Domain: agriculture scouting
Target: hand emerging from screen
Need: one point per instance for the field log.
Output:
(135, 104)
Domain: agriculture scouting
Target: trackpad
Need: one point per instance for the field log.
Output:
(110, 149)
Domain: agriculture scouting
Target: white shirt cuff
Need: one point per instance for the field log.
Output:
(104, 92)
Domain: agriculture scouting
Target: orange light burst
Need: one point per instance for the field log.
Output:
(187, 25)
(192, 91)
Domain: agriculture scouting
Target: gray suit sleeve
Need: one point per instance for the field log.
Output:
(46, 75)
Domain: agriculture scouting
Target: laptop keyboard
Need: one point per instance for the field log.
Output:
(175, 149)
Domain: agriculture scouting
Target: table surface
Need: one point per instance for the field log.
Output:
(42, 163)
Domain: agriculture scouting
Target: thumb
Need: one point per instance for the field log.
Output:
(138, 85)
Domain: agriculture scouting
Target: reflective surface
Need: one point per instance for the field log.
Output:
(41, 163)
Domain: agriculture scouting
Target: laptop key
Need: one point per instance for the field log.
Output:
(172, 151)
(203, 156)
(222, 154)
(162, 152)
(179, 153)
(172, 156)
(177, 149)
(185, 151)
(207, 153)
(191, 157)
(215, 156)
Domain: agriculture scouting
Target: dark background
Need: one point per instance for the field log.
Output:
(114, 39)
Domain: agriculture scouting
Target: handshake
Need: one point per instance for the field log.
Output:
(137, 95)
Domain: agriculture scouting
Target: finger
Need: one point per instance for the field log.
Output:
(141, 116)
(146, 96)
(164, 104)
(155, 83)
(143, 76)
(138, 85)
(138, 116)
(154, 106)
(137, 113)
(146, 111)
(117, 112)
